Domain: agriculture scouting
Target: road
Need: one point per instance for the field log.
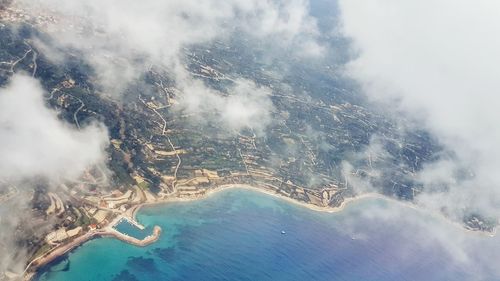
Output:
(164, 133)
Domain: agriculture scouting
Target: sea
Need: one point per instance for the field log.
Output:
(246, 235)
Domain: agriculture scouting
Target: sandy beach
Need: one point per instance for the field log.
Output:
(310, 206)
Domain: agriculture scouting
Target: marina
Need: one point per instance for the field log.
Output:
(132, 228)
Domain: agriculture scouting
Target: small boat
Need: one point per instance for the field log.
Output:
(283, 232)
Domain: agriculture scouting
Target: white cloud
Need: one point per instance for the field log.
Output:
(419, 231)
(246, 105)
(122, 38)
(36, 145)
(109, 30)
(35, 142)
(439, 61)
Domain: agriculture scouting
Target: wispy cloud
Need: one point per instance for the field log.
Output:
(246, 105)
(36, 143)
(36, 147)
(438, 61)
(122, 39)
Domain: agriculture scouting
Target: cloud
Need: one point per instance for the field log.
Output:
(5, 3)
(245, 106)
(439, 62)
(13, 257)
(409, 234)
(36, 146)
(157, 31)
(248, 106)
(36, 143)
(121, 39)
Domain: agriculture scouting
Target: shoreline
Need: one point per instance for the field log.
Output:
(56, 253)
(131, 214)
(108, 230)
(327, 209)
(261, 190)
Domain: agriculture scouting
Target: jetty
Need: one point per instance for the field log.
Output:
(134, 241)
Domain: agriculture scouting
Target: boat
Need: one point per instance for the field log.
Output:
(283, 232)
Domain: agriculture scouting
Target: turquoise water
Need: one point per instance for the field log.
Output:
(125, 227)
(236, 235)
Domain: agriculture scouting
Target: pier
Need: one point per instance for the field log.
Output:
(134, 241)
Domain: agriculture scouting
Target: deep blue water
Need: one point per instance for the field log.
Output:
(236, 235)
(125, 227)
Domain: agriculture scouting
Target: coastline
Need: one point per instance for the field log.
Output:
(56, 253)
(131, 214)
(134, 210)
(62, 250)
(327, 209)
